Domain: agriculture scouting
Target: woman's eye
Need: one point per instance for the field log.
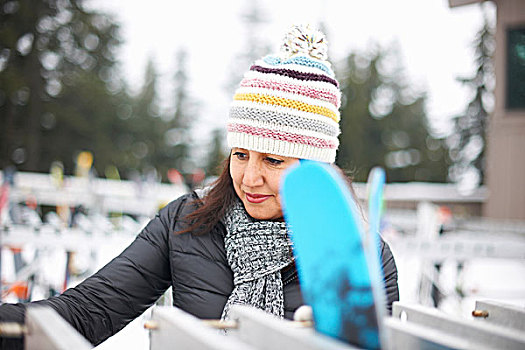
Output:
(240, 155)
(274, 161)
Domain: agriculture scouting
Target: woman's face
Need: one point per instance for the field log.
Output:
(256, 178)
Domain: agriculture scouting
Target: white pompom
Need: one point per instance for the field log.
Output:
(302, 39)
(303, 314)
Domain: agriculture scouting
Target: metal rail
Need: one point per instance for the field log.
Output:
(264, 331)
(448, 329)
(459, 247)
(175, 329)
(500, 314)
(46, 330)
(412, 336)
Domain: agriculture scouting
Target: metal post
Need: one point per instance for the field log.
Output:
(427, 228)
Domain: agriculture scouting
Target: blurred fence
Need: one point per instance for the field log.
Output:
(54, 233)
(98, 195)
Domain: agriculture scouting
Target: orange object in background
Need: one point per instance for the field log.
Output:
(15, 250)
(31, 202)
(4, 195)
(444, 214)
(84, 162)
(20, 289)
(174, 176)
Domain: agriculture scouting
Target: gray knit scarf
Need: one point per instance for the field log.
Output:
(256, 252)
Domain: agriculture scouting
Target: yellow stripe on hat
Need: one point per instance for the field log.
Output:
(285, 102)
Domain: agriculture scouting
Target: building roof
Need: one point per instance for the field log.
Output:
(456, 3)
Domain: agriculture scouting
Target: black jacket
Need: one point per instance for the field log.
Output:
(194, 265)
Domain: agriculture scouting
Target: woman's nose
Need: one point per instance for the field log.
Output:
(253, 176)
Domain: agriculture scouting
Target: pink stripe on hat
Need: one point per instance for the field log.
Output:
(298, 89)
(282, 136)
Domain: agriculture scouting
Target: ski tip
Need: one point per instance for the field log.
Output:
(308, 167)
(313, 179)
(376, 180)
(308, 173)
(377, 176)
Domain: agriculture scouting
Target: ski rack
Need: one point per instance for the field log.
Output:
(417, 327)
(48, 238)
(97, 194)
(460, 246)
(494, 326)
(73, 239)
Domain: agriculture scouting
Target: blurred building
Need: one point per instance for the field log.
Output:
(505, 173)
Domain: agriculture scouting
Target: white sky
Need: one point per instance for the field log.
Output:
(435, 42)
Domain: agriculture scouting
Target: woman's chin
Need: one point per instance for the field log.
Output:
(260, 213)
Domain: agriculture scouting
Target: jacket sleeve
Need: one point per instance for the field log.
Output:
(118, 293)
(390, 275)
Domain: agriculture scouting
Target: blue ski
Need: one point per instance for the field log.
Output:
(333, 264)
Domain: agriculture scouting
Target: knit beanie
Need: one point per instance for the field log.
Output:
(288, 103)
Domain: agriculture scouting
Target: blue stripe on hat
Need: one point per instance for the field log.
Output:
(300, 60)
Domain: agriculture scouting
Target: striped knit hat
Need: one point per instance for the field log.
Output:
(288, 104)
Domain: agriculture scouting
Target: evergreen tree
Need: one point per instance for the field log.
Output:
(254, 20)
(143, 137)
(157, 140)
(468, 141)
(87, 119)
(216, 154)
(177, 137)
(52, 51)
(383, 122)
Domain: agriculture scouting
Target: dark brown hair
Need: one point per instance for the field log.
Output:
(211, 209)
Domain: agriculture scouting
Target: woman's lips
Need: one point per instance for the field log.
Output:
(256, 198)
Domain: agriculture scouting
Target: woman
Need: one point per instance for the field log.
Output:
(228, 244)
